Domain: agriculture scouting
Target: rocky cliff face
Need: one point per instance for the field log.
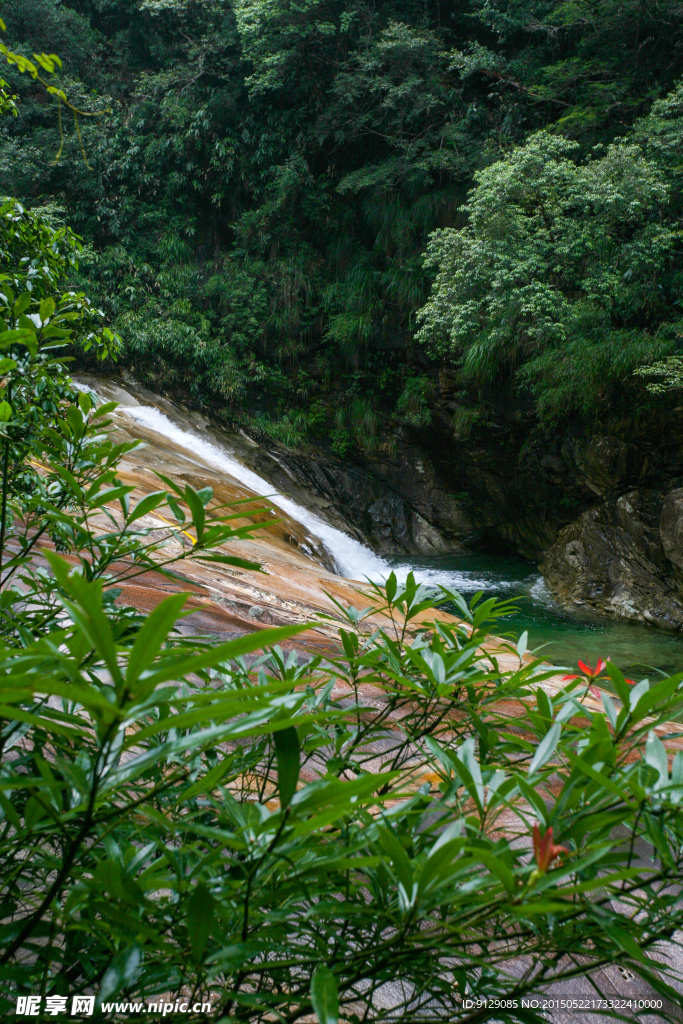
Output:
(389, 510)
(430, 493)
(503, 487)
(620, 558)
(602, 513)
(585, 508)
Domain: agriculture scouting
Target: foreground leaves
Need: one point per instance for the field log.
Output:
(179, 820)
(384, 832)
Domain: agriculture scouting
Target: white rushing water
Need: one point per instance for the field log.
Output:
(353, 559)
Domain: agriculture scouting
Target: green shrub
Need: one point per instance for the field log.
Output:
(341, 441)
(413, 403)
(179, 824)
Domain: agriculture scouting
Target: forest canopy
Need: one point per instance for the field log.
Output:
(562, 275)
(258, 201)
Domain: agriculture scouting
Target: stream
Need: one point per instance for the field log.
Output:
(559, 636)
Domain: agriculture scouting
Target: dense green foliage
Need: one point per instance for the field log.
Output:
(563, 274)
(245, 838)
(258, 201)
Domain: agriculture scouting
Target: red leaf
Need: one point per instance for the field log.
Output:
(545, 851)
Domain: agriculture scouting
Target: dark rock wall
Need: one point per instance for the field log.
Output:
(502, 487)
(429, 492)
(602, 513)
(613, 559)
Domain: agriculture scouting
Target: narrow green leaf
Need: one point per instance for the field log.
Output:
(196, 507)
(399, 858)
(146, 505)
(218, 655)
(655, 755)
(238, 563)
(288, 753)
(470, 772)
(151, 636)
(543, 703)
(46, 308)
(610, 710)
(200, 917)
(546, 748)
(324, 995)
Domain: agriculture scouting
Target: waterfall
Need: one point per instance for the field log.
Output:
(561, 634)
(352, 559)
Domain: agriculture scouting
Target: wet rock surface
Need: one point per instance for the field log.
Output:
(671, 527)
(616, 559)
(605, 464)
(358, 502)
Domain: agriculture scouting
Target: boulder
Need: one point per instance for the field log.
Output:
(638, 513)
(395, 527)
(611, 560)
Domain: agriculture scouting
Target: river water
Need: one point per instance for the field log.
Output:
(557, 635)
(560, 636)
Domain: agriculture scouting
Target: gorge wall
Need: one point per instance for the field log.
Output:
(600, 512)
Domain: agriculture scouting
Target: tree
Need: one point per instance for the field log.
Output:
(559, 281)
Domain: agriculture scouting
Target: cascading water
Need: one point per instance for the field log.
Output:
(563, 636)
(353, 559)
